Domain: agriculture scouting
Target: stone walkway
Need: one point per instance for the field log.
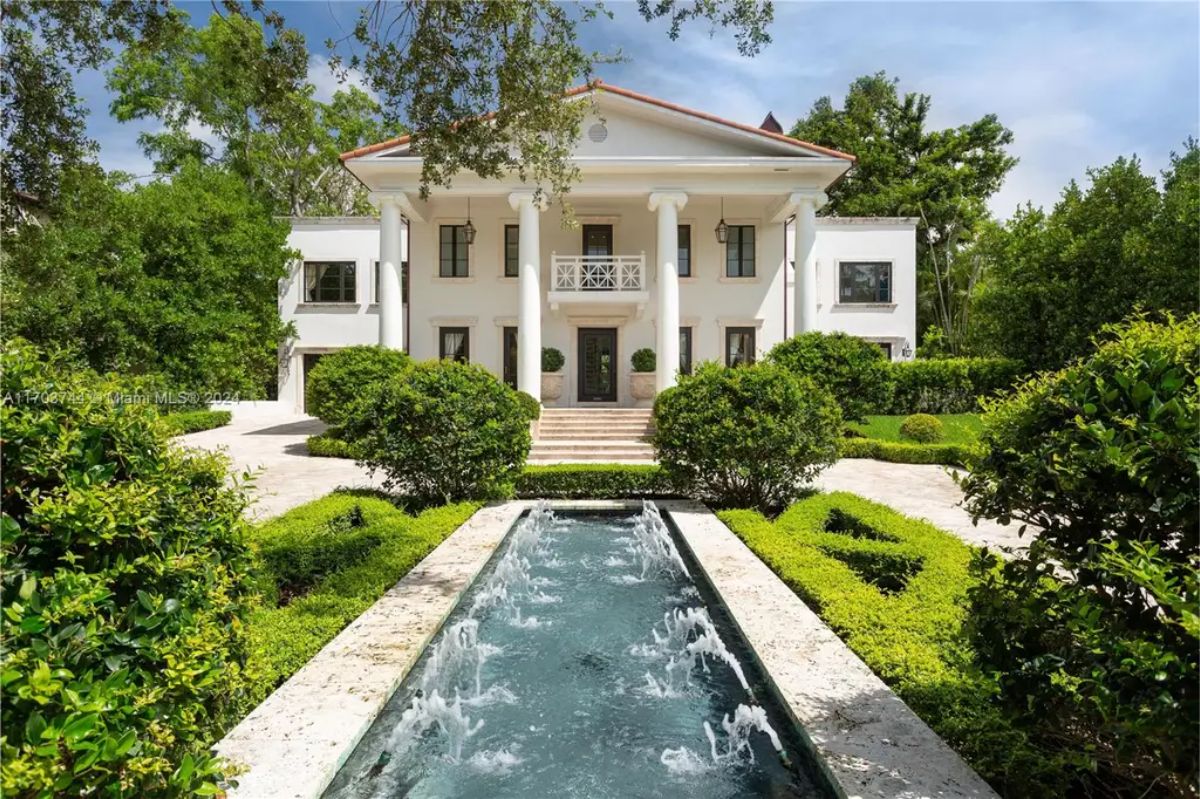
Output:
(265, 438)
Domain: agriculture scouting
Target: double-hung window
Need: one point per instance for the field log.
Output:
(739, 251)
(329, 281)
(864, 282)
(683, 260)
(512, 250)
(453, 251)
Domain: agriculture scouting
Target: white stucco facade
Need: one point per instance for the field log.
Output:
(651, 170)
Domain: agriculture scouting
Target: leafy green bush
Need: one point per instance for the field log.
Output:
(1102, 456)
(326, 446)
(124, 587)
(443, 431)
(196, 421)
(922, 428)
(533, 408)
(322, 593)
(343, 378)
(593, 481)
(749, 437)
(900, 452)
(895, 590)
(947, 385)
(552, 359)
(644, 360)
(855, 371)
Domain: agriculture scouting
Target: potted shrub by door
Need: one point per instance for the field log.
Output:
(552, 377)
(641, 380)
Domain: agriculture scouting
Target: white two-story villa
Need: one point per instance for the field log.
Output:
(695, 236)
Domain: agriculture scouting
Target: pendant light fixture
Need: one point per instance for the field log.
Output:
(469, 229)
(722, 228)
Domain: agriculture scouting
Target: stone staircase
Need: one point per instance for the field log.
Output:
(607, 435)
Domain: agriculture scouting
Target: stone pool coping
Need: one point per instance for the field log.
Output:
(869, 742)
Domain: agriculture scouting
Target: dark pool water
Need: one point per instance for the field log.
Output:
(588, 660)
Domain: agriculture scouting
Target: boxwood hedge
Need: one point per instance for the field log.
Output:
(895, 589)
(594, 481)
(196, 421)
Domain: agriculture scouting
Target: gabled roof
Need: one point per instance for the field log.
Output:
(601, 86)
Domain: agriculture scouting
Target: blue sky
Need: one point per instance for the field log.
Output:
(1078, 83)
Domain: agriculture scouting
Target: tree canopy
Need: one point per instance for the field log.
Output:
(177, 277)
(941, 177)
(1052, 279)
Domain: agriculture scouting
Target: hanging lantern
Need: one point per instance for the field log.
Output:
(722, 229)
(469, 229)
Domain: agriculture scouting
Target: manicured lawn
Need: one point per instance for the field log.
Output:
(323, 564)
(895, 590)
(959, 428)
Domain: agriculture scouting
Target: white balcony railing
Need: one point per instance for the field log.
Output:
(598, 272)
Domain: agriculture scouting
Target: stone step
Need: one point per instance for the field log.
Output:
(553, 424)
(590, 457)
(591, 435)
(599, 412)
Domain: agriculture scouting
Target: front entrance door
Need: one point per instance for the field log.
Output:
(597, 364)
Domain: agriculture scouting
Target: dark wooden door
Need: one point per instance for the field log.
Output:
(597, 364)
(597, 240)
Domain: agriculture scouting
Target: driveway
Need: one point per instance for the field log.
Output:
(264, 439)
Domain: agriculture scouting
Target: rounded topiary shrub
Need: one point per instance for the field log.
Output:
(922, 427)
(124, 584)
(552, 359)
(533, 408)
(854, 370)
(643, 360)
(342, 378)
(444, 431)
(745, 437)
(1101, 458)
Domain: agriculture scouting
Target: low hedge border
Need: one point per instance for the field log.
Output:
(326, 446)
(594, 481)
(321, 565)
(895, 590)
(185, 422)
(900, 452)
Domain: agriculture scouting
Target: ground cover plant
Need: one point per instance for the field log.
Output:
(323, 564)
(1105, 660)
(125, 584)
(957, 428)
(896, 590)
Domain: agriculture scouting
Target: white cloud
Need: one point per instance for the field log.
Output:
(326, 83)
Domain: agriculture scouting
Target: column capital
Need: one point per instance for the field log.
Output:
(381, 198)
(535, 198)
(676, 198)
(815, 197)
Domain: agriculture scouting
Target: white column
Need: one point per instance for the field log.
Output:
(668, 206)
(529, 312)
(391, 304)
(806, 259)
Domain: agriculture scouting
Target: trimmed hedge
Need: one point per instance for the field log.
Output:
(594, 481)
(922, 428)
(854, 370)
(326, 446)
(195, 421)
(323, 564)
(947, 385)
(904, 452)
(895, 590)
(344, 378)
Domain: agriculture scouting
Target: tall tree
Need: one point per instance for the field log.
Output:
(1120, 244)
(479, 82)
(45, 42)
(941, 177)
(177, 277)
(244, 82)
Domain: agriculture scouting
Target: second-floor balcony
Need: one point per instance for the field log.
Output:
(598, 279)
